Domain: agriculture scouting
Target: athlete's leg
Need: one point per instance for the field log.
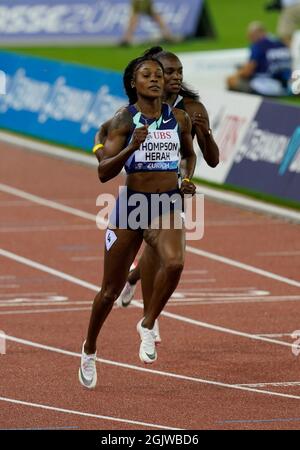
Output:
(134, 275)
(117, 261)
(163, 27)
(148, 267)
(133, 21)
(169, 245)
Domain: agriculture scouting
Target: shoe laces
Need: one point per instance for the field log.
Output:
(128, 288)
(88, 364)
(148, 339)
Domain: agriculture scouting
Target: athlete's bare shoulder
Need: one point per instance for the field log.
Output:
(194, 106)
(182, 118)
(122, 121)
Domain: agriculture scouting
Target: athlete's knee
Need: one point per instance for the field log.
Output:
(174, 266)
(110, 294)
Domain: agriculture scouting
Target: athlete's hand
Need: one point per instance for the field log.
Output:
(139, 136)
(199, 120)
(187, 188)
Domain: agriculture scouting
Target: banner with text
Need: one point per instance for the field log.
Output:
(64, 21)
(230, 115)
(268, 158)
(58, 102)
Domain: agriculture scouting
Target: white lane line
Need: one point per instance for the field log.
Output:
(198, 281)
(277, 383)
(48, 203)
(44, 229)
(85, 414)
(232, 262)
(26, 294)
(85, 215)
(41, 311)
(246, 202)
(276, 334)
(86, 258)
(215, 194)
(47, 269)
(152, 371)
(95, 288)
(48, 149)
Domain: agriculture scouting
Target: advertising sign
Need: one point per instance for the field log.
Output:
(83, 21)
(59, 102)
(268, 158)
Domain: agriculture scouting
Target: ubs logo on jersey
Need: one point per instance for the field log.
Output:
(162, 135)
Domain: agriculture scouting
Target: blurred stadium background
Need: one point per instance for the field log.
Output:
(222, 27)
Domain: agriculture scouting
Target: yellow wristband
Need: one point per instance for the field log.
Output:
(185, 179)
(97, 147)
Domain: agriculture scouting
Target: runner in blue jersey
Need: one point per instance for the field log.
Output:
(177, 95)
(153, 142)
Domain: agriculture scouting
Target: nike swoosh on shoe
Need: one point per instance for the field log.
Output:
(86, 382)
(152, 356)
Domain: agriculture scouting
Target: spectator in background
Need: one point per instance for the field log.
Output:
(289, 20)
(268, 69)
(139, 7)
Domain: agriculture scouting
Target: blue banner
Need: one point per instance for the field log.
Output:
(89, 20)
(268, 159)
(64, 103)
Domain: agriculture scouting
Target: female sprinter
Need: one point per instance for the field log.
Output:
(177, 95)
(134, 137)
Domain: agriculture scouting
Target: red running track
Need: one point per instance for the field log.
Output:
(226, 359)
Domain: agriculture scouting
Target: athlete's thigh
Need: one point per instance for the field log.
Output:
(121, 247)
(169, 245)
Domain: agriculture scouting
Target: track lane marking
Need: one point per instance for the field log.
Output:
(152, 371)
(95, 288)
(85, 414)
(79, 213)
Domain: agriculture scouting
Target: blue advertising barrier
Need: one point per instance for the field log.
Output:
(268, 159)
(89, 20)
(58, 102)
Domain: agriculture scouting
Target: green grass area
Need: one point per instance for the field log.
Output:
(230, 19)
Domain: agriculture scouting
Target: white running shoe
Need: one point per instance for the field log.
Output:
(157, 338)
(87, 371)
(147, 351)
(127, 293)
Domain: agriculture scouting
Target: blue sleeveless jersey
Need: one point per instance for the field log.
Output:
(160, 150)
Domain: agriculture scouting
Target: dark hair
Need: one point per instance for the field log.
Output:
(129, 74)
(157, 53)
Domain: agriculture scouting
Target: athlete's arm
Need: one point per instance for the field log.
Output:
(100, 137)
(114, 154)
(188, 156)
(206, 142)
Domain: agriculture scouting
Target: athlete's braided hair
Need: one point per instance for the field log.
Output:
(129, 75)
(157, 53)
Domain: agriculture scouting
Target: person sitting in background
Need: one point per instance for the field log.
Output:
(269, 67)
(139, 7)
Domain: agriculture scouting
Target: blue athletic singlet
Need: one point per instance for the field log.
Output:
(160, 150)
